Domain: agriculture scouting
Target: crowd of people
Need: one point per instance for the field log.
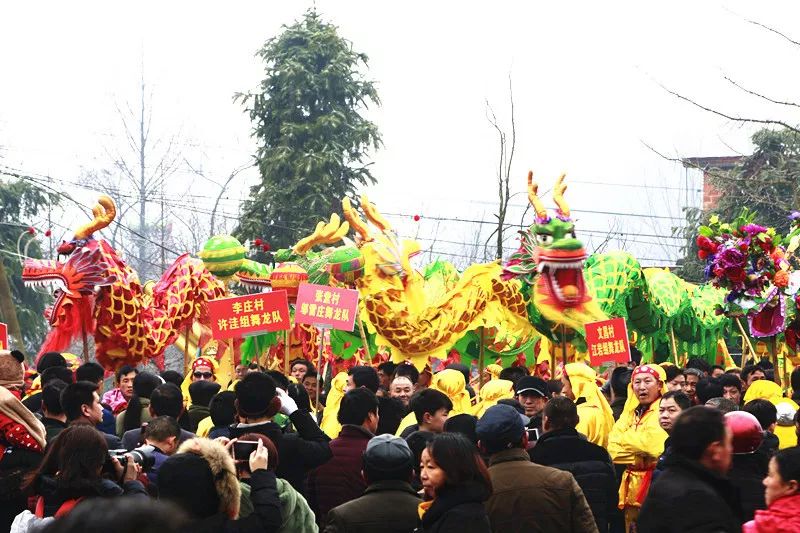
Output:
(642, 448)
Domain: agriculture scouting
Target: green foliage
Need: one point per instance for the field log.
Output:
(313, 139)
(767, 182)
(19, 203)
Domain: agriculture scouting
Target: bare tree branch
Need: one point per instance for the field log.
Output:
(745, 120)
(773, 30)
(753, 93)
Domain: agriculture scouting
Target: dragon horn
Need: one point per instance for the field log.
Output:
(533, 198)
(558, 195)
(373, 215)
(324, 233)
(358, 225)
(104, 213)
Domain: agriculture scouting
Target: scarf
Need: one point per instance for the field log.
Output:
(11, 407)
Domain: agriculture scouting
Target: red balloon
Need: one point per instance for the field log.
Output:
(416, 218)
(48, 233)
(747, 432)
(258, 242)
(31, 230)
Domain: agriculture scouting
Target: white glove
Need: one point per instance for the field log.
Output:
(288, 405)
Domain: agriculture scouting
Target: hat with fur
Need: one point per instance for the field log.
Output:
(223, 474)
(11, 369)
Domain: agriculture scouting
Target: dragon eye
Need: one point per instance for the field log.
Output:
(545, 238)
(572, 234)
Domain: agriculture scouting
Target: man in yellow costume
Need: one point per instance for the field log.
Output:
(637, 440)
(595, 417)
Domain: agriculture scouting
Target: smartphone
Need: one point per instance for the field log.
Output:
(243, 448)
(533, 434)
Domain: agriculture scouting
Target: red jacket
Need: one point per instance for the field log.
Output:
(339, 480)
(783, 516)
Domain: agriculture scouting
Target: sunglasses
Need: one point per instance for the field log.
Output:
(204, 375)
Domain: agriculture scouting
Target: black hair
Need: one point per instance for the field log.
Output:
(408, 370)
(513, 373)
(788, 462)
(256, 396)
(143, 386)
(223, 409)
(695, 429)
(671, 372)
(620, 378)
(57, 372)
(700, 364)
(708, 388)
(392, 411)
(749, 369)
(716, 367)
(356, 406)
(299, 394)
(365, 376)
(76, 395)
(418, 441)
(723, 404)
(730, 380)
(764, 410)
(460, 461)
(680, 398)
(428, 401)
(51, 396)
(172, 376)
(795, 379)
(561, 413)
(121, 515)
(202, 391)
(124, 370)
(161, 428)
(387, 368)
(90, 371)
(166, 400)
(464, 424)
(765, 364)
(48, 360)
(278, 377)
(300, 361)
(554, 387)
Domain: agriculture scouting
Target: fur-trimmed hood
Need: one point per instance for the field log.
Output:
(224, 470)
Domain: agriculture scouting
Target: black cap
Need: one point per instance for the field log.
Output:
(531, 384)
(388, 453)
(500, 424)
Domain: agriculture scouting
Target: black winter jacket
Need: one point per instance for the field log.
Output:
(458, 510)
(589, 464)
(747, 474)
(266, 517)
(54, 495)
(299, 452)
(689, 498)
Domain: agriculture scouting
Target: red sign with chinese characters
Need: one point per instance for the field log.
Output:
(3, 337)
(249, 315)
(607, 340)
(328, 307)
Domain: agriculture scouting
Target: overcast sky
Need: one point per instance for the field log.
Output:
(585, 77)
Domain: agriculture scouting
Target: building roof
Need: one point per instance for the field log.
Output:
(725, 162)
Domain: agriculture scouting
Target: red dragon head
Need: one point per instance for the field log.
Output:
(76, 281)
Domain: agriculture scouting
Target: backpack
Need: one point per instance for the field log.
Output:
(28, 522)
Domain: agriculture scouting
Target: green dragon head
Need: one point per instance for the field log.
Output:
(550, 256)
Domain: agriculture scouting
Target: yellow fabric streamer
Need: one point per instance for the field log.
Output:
(595, 416)
(330, 425)
(492, 392)
(451, 382)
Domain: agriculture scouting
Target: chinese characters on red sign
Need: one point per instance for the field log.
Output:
(4, 337)
(328, 307)
(249, 315)
(607, 340)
